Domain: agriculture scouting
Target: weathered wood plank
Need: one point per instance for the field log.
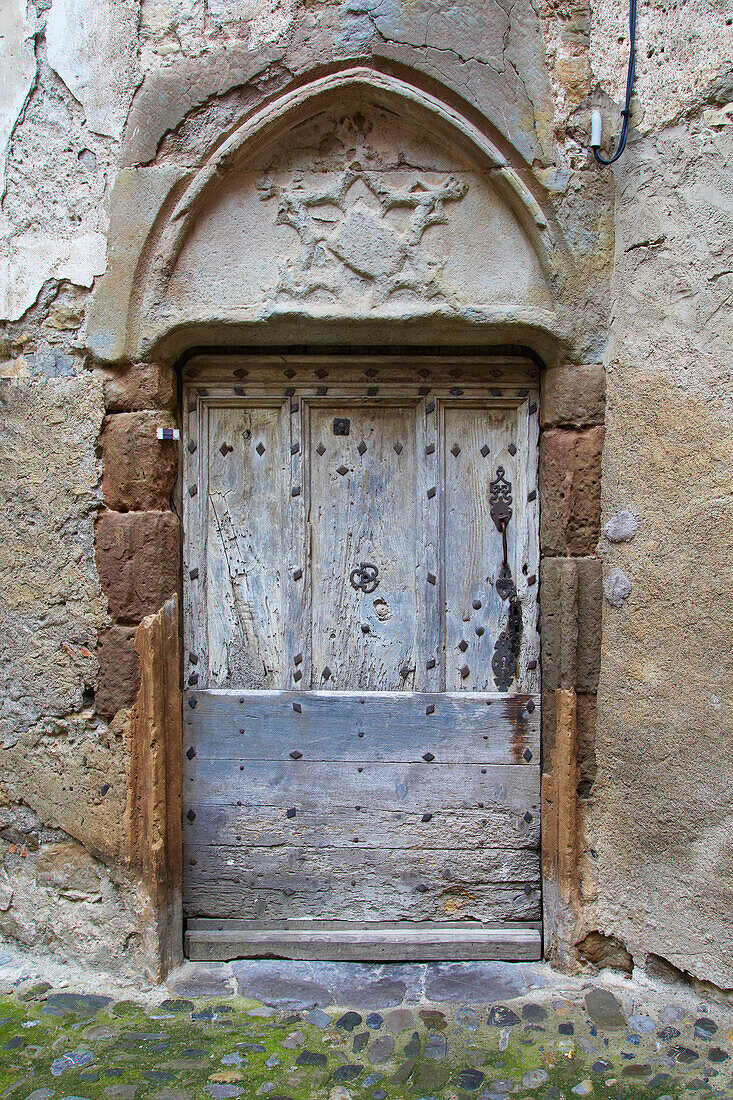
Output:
(394, 368)
(377, 726)
(362, 509)
(337, 826)
(419, 787)
(196, 661)
(363, 884)
(473, 554)
(430, 657)
(215, 940)
(248, 471)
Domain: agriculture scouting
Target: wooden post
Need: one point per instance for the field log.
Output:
(560, 817)
(153, 815)
(566, 767)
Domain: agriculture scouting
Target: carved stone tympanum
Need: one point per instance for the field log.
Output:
(350, 242)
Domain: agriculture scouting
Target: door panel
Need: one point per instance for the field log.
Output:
(477, 442)
(245, 562)
(355, 758)
(363, 510)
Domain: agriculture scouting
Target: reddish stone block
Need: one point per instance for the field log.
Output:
(138, 558)
(573, 396)
(139, 469)
(118, 681)
(570, 485)
(571, 602)
(140, 386)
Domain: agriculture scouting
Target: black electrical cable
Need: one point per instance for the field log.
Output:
(629, 87)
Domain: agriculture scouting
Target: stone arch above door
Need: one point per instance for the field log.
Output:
(356, 197)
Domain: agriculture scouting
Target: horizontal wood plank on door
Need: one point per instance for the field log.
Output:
(216, 940)
(390, 786)
(378, 726)
(270, 827)
(362, 884)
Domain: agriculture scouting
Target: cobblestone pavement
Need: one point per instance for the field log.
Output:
(353, 1031)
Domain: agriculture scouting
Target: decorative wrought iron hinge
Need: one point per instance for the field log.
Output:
(505, 661)
(500, 499)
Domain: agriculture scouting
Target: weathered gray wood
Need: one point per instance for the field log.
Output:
(508, 371)
(460, 502)
(370, 820)
(473, 546)
(343, 825)
(216, 940)
(245, 563)
(366, 514)
(362, 883)
(422, 786)
(374, 726)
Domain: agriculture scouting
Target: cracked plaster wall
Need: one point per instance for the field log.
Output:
(103, 95)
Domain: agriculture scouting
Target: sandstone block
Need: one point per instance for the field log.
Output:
(573, 396)
(140, 386)
(590, 604)
(139, 469)
(138, 558)
(570, 484)
(118, 680)
(571, 601)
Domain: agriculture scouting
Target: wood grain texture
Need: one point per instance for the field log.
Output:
(472, 545)
(440, 546)
(343, 825)
(317, 801)
(414, 787)
(363, 883)
(152, 814)
(371, 726)
(245, 562)
(362, 509)
(215, 940)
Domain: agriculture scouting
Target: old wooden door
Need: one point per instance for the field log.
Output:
(362, 712)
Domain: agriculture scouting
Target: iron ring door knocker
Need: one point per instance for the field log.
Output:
(365, 577)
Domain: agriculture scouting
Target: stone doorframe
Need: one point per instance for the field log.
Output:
(142, 330)
(139, 557)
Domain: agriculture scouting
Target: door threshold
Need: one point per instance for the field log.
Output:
(211, 940)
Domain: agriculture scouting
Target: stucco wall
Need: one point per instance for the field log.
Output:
(107, 110)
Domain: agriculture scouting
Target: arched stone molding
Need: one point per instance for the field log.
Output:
(137, 286)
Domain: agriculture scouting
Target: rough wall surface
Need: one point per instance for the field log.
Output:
(662, 823)
(108, 110)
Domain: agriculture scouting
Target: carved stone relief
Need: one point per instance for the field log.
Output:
(351, 246)
(354, 214)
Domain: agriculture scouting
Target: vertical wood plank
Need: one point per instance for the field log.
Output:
(362, 510)
(248, 472)
(429, 504)
(473, 546)
(153, 812)
(194, 571)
